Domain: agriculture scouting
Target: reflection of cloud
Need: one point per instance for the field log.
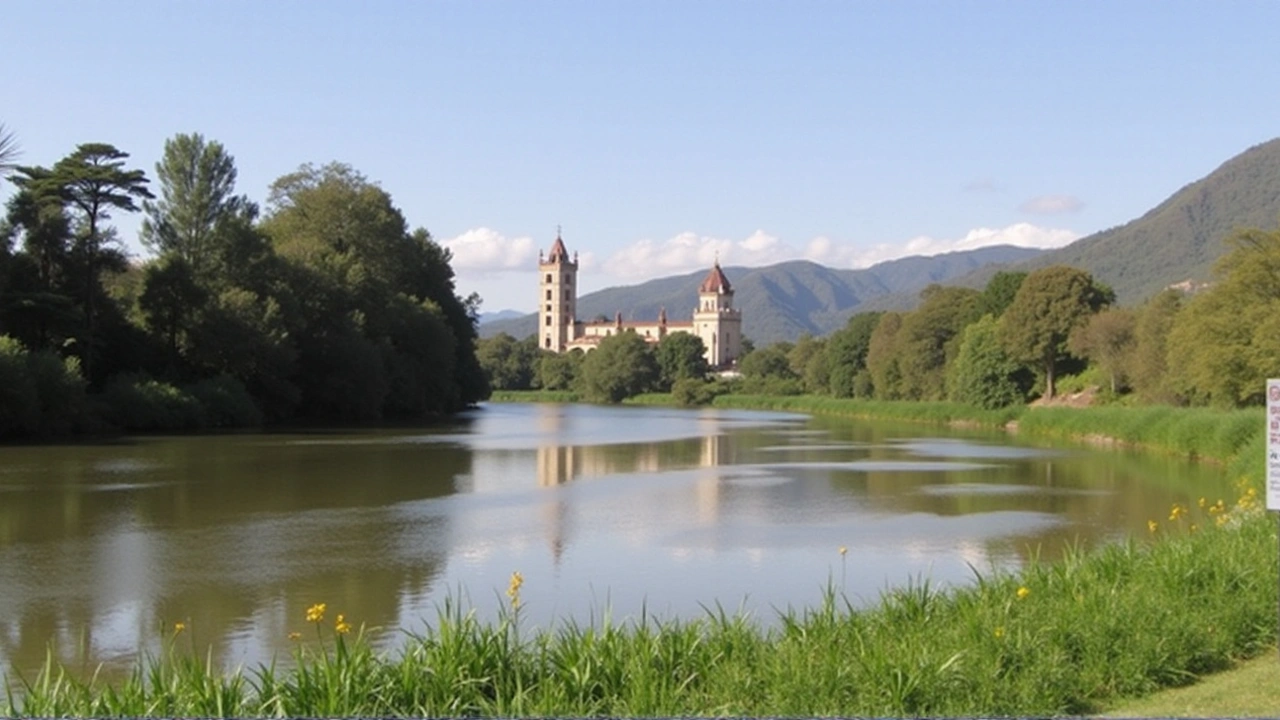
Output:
(1052, 205)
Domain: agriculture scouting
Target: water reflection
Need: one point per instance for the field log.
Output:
(103, 546)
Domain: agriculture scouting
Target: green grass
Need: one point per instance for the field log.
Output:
(934, 412)
(1247, 690)
(546, 396)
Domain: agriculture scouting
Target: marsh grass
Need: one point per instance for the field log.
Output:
(1068, 637)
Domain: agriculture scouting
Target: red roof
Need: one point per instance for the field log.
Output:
(558, 252)
(715, 282)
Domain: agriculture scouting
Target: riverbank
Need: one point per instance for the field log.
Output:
(1068, 637)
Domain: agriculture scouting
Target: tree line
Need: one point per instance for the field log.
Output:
(1017, 339)
(322, 306)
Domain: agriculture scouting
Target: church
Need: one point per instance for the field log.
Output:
(715, 320)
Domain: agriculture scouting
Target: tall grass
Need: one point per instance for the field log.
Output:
(934, 412)
(548, 396)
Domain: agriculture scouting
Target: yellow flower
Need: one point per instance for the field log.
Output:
(1194, 527)
(1152, 525)
(315, 613)
(1177, 511)
(179, 627)
(513, 589)
(295, 636)
(342, 627)
(1203, 502)
(1023, 592)
(843, 551)
(999, 633)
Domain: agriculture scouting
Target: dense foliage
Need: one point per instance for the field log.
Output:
(1000, 347)
(326, 308)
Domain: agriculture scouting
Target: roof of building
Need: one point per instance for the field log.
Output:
(558, 251)
(715, 282)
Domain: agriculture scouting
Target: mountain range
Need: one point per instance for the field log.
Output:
(778, 302)
(1174, 242)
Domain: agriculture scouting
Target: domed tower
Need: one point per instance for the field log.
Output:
(716, 321)
(557, 297)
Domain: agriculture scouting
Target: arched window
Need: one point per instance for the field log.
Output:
(548, 341)
(548, 293)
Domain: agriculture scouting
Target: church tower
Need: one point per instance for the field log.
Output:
(557, 297)
(716, 321)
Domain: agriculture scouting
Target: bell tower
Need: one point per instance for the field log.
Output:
(557, 297)
(716, 321)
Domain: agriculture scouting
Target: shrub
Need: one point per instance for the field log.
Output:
(135, 402)
(225, 403)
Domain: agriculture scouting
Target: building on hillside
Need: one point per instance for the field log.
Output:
(715, 320)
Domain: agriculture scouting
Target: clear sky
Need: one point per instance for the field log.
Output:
(659, 134)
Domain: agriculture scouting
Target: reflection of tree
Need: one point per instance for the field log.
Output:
(233, 535)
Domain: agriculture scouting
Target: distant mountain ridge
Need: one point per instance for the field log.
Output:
(1176, 241)
(783, 301)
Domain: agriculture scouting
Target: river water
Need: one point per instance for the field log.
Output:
(104, 547)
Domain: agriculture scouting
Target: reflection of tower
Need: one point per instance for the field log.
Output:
(557, 297)
(556, 465)
(707, 486)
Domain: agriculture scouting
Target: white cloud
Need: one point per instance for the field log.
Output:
(689, 251)
(482, 250)
(1052, 205)
(1020, 234)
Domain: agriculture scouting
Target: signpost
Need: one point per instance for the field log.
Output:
(1273, 450)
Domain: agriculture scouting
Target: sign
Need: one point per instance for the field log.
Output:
(1273, 444)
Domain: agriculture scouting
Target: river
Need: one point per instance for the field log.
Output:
(104, 547)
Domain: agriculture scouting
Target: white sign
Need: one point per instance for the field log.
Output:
(1273, 444)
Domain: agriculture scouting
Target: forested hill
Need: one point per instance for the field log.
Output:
(780, 302)
(1175, 241)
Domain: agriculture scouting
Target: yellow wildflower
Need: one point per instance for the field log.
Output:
(342, 627)
(295, 636)
(1177, 511)
(843, 551)
(999, 633)
(1202, 502)
(513, 589)
(179, 627)
(1023, 592)
(315, 613)
(1152, 525)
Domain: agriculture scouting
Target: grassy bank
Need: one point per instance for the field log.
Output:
(1070, 637)
(939, 412)
(533, 396)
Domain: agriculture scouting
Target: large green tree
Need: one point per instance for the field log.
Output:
(930, 338)
(93, 183)
(509, 364)
(197, 200)
(883, 357)
(1149, 366)
(680, 355)
(622, 366)
(983, 375)
(847, 356)
(1049, 305)
(1106, 339)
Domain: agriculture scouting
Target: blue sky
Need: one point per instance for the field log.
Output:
(662, 133)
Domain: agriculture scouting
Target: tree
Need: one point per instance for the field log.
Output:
(1107, 341)
(882, 357)
(1223, 345)
(768, 362)
(8, 152)
(809, 362)
(1049, 305)
(930, 337)
(680, 355)
(622, 365)
(170, 300)
(1148, 368)
(92, 182)
(983, 375)
(999, 293)
(847, 354)
(508, 363)
(197, 182)
(558, 371)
